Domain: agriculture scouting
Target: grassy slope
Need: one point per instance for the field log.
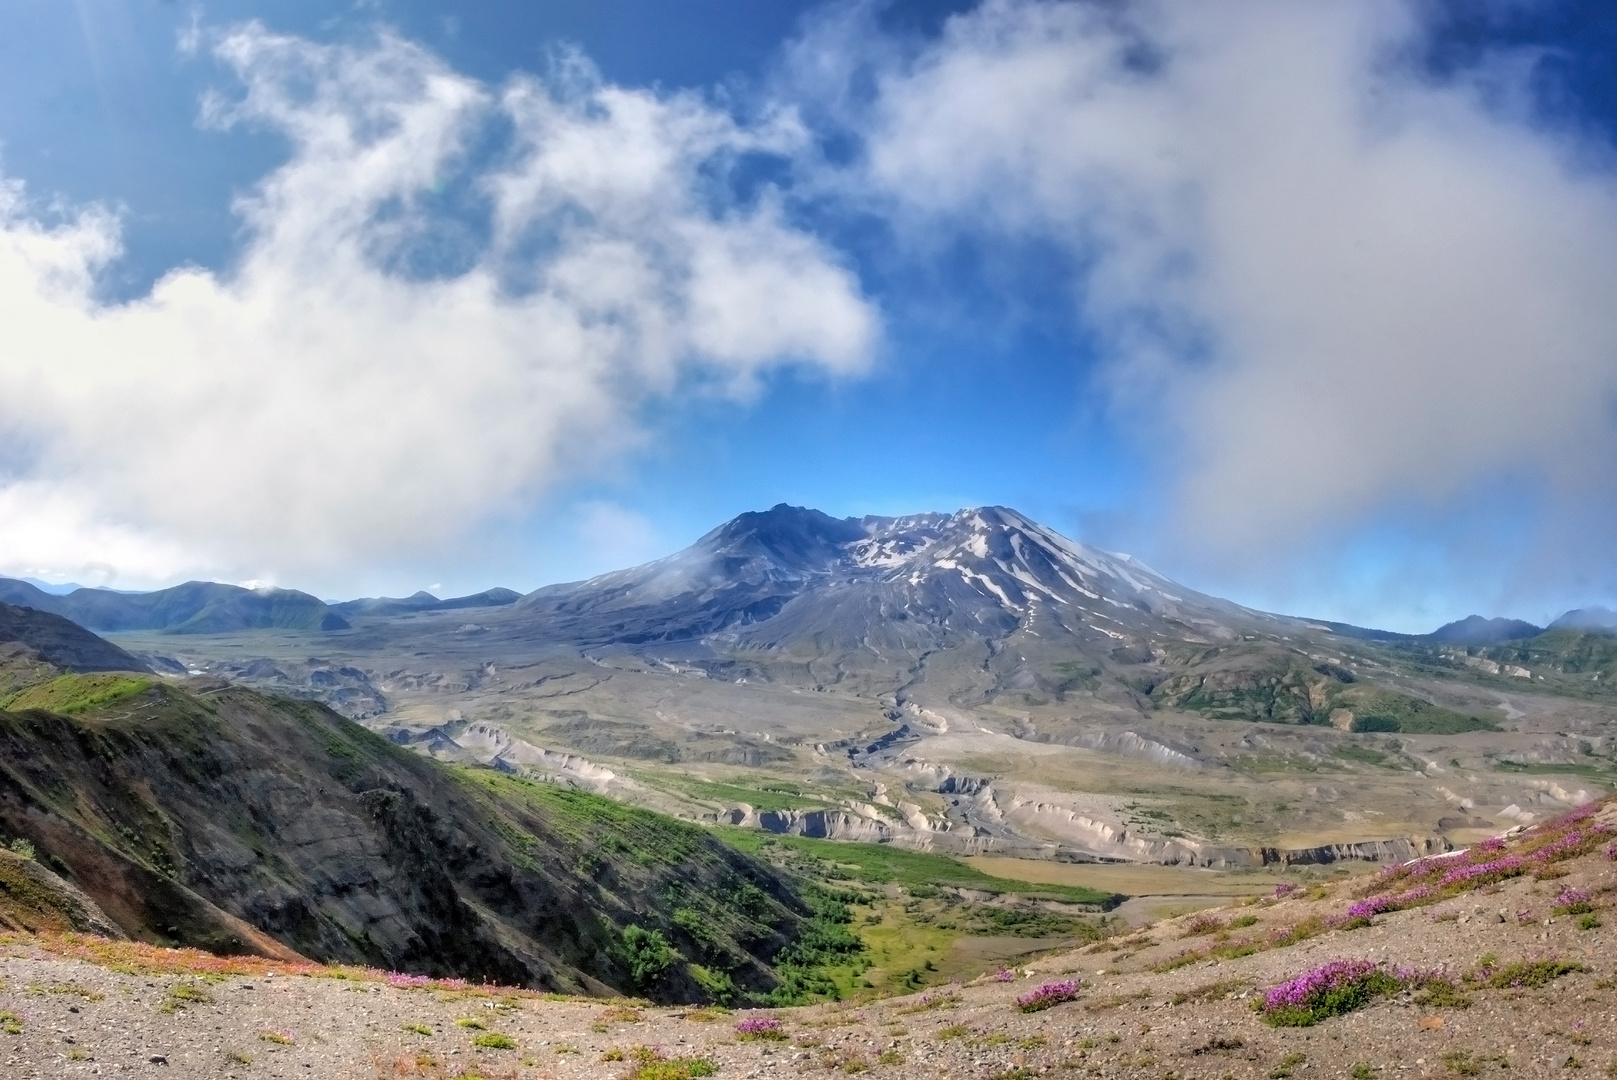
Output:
(70, 695)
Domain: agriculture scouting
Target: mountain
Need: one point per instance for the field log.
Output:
(776, 578)
(217, 817)
(50, 639)
(196, 607)
(424, 601)
(1475, 630)
(52, 587)
(1595, 618)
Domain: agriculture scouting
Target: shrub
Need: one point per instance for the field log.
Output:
(1529, 974)
(184, 995)
(493, 1040)
(654, 1066)
(1203, 924)
(1330, 990)
(646, 954)
(1048, 996)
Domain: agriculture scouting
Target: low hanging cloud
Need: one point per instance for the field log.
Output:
(1328, 285)
(377, 374)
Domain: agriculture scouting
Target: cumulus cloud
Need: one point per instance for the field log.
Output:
(377, 375)
(1328, 285)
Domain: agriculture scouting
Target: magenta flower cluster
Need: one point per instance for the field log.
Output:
(1310, 986)
(1004, 975)
(1573, 902)
(1611, 853)
(1285, 889)
(759, 1026)
(1047, 995)
(1482, 865)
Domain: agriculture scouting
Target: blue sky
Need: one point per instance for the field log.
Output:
(1307, 307)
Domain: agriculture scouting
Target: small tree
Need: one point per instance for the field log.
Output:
(647, 955)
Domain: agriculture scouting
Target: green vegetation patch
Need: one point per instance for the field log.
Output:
(1375, 709)
(762, 798)
(918, 871)
(1520, 974)
(580, 817)
(70, 695)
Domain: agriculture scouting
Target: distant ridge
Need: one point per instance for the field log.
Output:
(197, 607)
(1475, 630)
(1594, 618)
(1471, 630)
(61, 642)
(425, 601)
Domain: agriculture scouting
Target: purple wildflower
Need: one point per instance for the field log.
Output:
(1004, 975)
(1300, 991)
(1048, 995)
(1573, 902)
(760, 1027)
(1285, 889)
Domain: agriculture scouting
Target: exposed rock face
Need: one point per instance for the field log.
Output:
(241, 823)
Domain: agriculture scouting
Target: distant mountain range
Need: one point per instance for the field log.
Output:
(982, 567)
(196, 607)
(208, 607)
(425, 601)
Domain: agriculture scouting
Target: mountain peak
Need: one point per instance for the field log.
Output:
(1475, 630)
(1590, 618)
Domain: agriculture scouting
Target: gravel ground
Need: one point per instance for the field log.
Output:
(73, 1019)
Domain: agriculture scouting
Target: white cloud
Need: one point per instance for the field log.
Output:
(611, 537)
(1327, 284)
(321, 402)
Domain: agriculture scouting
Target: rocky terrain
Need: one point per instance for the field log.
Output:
(1496, 961)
